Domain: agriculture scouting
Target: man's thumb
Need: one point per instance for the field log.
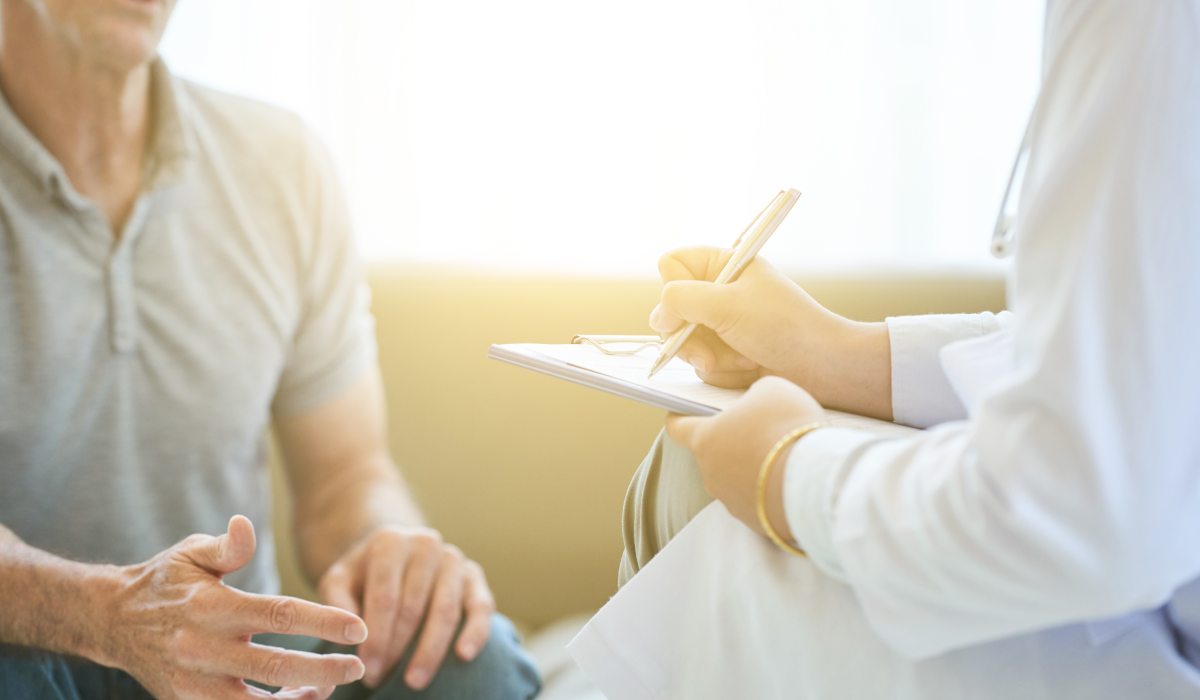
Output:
(229, 552)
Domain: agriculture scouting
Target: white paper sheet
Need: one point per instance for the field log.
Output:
(676, 378)
(679, 379)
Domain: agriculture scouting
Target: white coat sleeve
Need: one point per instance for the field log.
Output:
(1073, 492)
(921, 393)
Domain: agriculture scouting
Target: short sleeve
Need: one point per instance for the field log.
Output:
(334, 339)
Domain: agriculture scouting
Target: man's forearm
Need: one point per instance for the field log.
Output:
(340, 513)
(49, 602)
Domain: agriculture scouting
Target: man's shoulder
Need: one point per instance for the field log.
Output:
(244, 127)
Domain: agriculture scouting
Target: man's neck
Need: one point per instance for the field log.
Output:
(93, 118)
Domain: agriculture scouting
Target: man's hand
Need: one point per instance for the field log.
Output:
(176, 628)
(765, 324)
(399, 576)
(730, 447)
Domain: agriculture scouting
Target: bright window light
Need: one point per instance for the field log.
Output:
(588, 138)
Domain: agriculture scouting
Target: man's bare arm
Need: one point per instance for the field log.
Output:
(343, 479)
(170, 622)
(363, 539)
(49, 602)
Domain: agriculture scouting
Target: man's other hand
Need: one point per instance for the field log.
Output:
(397, 578)
(182, 633)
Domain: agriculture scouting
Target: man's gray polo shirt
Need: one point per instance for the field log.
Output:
(137, 376)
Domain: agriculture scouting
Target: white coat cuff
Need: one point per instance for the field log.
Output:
(816, 468)
(921, 392)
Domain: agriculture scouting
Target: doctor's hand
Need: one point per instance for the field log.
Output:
(762, 323)
(765, 324)
(730, 447)
(400, 577)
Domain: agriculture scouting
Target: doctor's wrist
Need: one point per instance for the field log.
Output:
(776, 512)
(852, 371)
(772, 511)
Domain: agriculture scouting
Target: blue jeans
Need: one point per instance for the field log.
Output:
(502, 671)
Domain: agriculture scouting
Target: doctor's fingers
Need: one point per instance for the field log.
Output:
(701, 262)
(732, 379)
(704, 303)
(709, 354)
(683, 429)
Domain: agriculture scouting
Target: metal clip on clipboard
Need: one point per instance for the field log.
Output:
(599, 341)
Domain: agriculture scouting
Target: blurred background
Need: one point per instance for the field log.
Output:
(564, 136)
(515, 170)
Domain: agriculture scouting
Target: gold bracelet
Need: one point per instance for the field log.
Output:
(764, 477)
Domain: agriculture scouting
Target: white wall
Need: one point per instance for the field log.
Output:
(566, 136)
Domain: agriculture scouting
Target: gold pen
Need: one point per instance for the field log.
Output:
(744, 250)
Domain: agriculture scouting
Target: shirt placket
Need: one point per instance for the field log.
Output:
(122, 297)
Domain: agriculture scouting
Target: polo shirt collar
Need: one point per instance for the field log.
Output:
(27, 150)
(172, 140)
(173, 137)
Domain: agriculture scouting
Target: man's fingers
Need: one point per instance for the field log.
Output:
(441, 622)
(416, 591)
(231, 687)
(479, 606)
(309, 693)
(227, 553)
(284, 668)
(338, 588)
(682, 429)
(387, 555)
(283, 615)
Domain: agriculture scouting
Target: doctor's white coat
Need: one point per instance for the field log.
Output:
(1042, 538)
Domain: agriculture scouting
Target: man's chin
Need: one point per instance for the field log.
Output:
(126, 33)
(146, 8)
(127, 48)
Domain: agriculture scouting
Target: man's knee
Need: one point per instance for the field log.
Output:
(667, 491)
(502, 671)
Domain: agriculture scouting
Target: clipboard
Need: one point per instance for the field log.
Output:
(568, 362)
(617, 365)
